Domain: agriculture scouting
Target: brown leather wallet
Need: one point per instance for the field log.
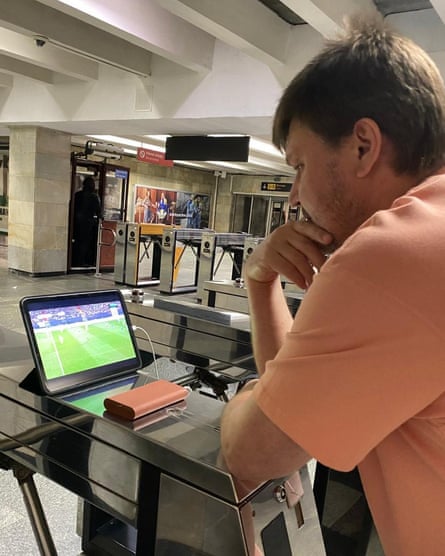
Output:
(145, 399)
(150, 418)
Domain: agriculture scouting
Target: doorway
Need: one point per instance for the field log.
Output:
(111, 185)
(259, 215)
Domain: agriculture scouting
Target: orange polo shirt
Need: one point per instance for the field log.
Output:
(360, 378)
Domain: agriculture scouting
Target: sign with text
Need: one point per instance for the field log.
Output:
(153, 157)
(275, 186)
(123, 174)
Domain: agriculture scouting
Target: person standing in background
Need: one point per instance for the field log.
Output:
(87, 213)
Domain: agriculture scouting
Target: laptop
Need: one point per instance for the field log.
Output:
(81, 341)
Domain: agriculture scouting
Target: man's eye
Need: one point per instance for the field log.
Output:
(298, 169)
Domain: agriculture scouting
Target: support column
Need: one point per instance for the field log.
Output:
(39, 194)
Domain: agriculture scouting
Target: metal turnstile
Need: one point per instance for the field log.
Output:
(249, 245)
(182, 244)
(189, 521)
(138, 256)
(210, 288)
(228, 244)
(231, 295)
(120, 252)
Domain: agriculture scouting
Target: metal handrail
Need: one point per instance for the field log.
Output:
(101, 229)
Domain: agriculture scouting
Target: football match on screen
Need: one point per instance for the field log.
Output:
(82, 337)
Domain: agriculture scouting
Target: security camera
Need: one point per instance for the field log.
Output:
(40, 40)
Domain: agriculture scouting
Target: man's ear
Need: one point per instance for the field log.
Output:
(367, 138)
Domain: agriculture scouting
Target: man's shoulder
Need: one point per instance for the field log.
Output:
(395, 243)
(409, 222)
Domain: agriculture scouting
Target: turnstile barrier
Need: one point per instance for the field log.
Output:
(138, 253)
(215, 247)
(177, 244)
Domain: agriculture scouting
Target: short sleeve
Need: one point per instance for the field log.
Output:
(360, 360)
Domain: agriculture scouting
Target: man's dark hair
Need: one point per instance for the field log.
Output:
(371, 72)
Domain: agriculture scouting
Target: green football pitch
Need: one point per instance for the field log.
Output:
(83, 346)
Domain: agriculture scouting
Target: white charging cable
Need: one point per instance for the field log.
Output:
(151, 347)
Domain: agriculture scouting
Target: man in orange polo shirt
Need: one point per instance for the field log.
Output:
(358, 377)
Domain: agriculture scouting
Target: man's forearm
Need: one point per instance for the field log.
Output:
(270, 319)
(253, 448)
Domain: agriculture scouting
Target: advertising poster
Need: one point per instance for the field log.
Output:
(167, 206)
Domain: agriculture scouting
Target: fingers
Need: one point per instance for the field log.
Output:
(311, 231)
(295, 250)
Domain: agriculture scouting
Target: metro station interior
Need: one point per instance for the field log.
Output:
(100, 89)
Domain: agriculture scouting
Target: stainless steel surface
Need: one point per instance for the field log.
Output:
(212, 527)
(300, 521)
(225, 295)
(191, 339)
(228, 295)
(208, 526)
(214, 248)
(177, 459)
(132, 254)
(142, 245)
(249, 246)
(61, 448)
(191, 309)
(174, 243)
(188, 234)
(120, 252)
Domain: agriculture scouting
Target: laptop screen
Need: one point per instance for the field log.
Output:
(80, 338)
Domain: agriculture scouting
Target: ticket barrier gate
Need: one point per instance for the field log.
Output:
(120, 252)
(229, 244)
(160, 488)
(136, 246)
(177, 244)
(249, 245)
(235, 297)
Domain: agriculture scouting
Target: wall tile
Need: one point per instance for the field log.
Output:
(19, 258)
(21, 213)
(21, 235)
(21, 188)
(50, 166)
(54, 142)
(21, 163)
(52, 190)
(49, 260)
(51, 215)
